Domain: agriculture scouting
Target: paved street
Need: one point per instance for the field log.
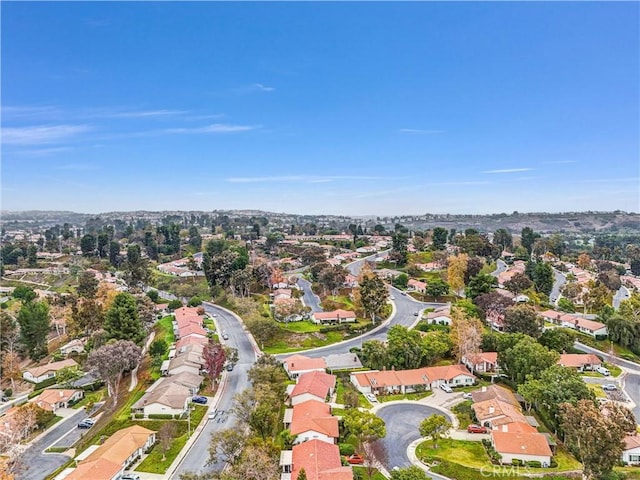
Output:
(196, 458)
(501, 266)
(309, 298)
(36, 465)
(355, 267)
(402, 422)
(406, 307)
(621, 294)
(559, 279)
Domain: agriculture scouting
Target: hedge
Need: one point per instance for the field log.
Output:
(46, 383)
(160, 416)
(346, 449)
(139, 415)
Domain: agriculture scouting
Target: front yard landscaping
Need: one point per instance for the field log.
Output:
(406, 396)
(472, 455)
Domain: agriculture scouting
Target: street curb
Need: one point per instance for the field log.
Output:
(252, 340)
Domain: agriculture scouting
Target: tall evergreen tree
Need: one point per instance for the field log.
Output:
(122, 320)
(35, 324)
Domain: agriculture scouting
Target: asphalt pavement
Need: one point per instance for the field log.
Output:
(36, 465)
(402, 422)
(621, 294)
(501, 266)
(195, 460)
(309, 298)
(559, 279)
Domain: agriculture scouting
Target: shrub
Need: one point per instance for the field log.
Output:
(346, 449)
(8, 392)
(46, 383)
(4, 305)
(534, 464)
(195, 301)
(139, 415)
(173, 304)
(153, 295)
(160, 416)
(517, 462)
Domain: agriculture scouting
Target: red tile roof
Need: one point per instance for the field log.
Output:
(316, 383)
(298, 363)
(320, 461)
(521, 443)
(578, 359)
(334, 315)
(316, 416)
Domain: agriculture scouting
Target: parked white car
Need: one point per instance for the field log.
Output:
(371, 397)
(446, 388)
(604, 371)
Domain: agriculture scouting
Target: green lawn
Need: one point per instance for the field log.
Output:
(282, 346)
(91, 397)
(300, 327)
(464, 413)
(473, 455)
(406, 396)
(597, 389)
(459, 472)
(164, 330)
(363, 474)
(154, 463)
(125, 411)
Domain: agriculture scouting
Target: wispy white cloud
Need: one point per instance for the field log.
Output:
(42, 134)
(413, 188)
(308, 178)
(42, 152)
(254, 88)
(508, 170)
(145, 113)
(559, 162)
(12, 112)
(214, 128)
(418, 131)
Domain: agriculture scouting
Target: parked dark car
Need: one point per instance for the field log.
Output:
(199, 399)
(229, 367)
(86, 423)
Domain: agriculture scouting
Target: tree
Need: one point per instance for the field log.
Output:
(24, 293)
(136, 269)
(456, 271)
(195, 240)
(88, 245)
(302, 475)
(114, 253)
(87, 316)
(526, 357)
(122, 320)
(466, 334)
(404, 348)
(436, 288)
(480, 284)
(8, 332)
(226, 445)
(153, 295)
(112, 360)
(630, 308)
(372, 294)
(312, 255)
(523, 319)
(332, 278)
(374, 354)
(474, 267)
(11, 368)
(566, 305)
(35, 324)
(584, 261)
(542, 277)
(435, 427)
(67, 375)
(214, 359)
(439, 236)
(594, 437)
(87, 285)
(399, 242)
(518, 283)
(401, 281)
(364, 426)
(528, 238)
(503, 239)
(409, 473)
(373, 453)
(167, 431)
(158, 348)
(558, 339)
(492, 304)
(556, 385)
(597, 296)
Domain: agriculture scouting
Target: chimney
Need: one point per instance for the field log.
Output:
(484, 389)
(492, 409)
(505, 428)
(61, 394)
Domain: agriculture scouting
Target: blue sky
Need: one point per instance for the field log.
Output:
(345, 108)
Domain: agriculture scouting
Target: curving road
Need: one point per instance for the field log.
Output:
(406, 308)
(501, 266)
(309, 298)
(196, 457)
(559, 279)
(622, 294)
(405, 419)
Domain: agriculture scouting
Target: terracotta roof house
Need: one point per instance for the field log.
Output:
(53, 399)
(495, 392)
(580, 361)
(313, 386)
(417, 285)
(185, 312)
(119, 451)
(282, 293)
(189, 380)
(583, 325)
(494, 413)
(336, 316)
(521, 446)
(631, 452)
(313, 420)
(183, 363)
(168, 398)
(191, 339)
(320, 461)
(482, 362)
(296, 365)
(184, 321)
(43, 372)
(342, 361)
(191, 330)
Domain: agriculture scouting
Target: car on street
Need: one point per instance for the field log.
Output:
(476, 429)
(86, 423)
(391, 297)
(403, 293)
(225, 336)
(213, 414)
(214, 314)
(354, 459)
(199, 399)
(446, 388)
(229, 367)
(467, 396)
(609, 387)
(130, 476)
(4, 398)
(371, 397)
